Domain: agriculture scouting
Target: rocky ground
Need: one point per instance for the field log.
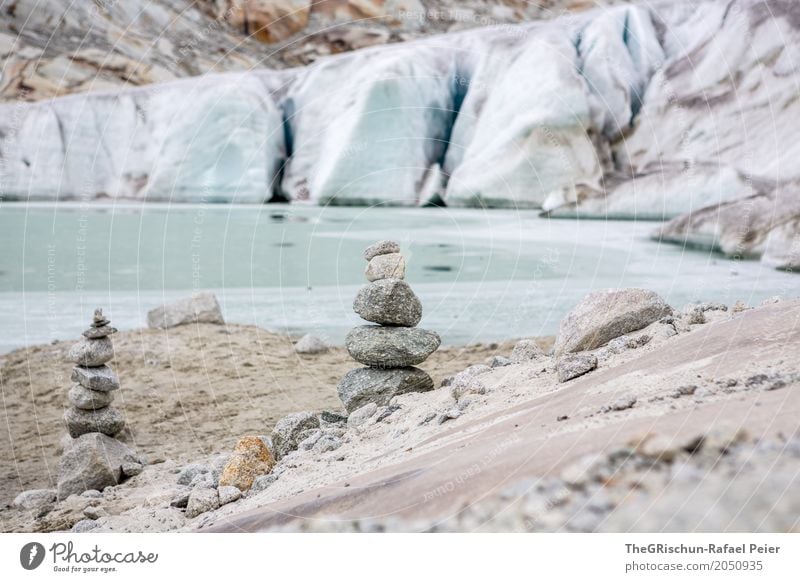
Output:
(187, 393)
(688, 423)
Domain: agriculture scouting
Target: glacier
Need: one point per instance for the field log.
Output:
(663, 110)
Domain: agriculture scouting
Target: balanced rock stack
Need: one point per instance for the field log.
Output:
(92, 393)
(391, 348)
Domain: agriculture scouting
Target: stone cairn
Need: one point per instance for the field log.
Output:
(390, 349)
(92, 393)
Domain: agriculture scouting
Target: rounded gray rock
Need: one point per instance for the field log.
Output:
(388, 302)
(101, 378)
(86, 399)
(391, 347)
(108, 421)
(364, 385)
(288, 432)
(91, 352)
(92, 461)
(382, 247)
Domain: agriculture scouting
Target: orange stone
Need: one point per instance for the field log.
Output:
(250, 458)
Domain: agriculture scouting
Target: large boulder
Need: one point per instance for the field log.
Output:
(607, 314)
(251, 458)
(91, 461)
(200, 308)
(388, 302)
(361, 386)
(391, 347)
(289, 431)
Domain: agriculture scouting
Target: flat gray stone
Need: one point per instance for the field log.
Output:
(228, 494)
(94, 352)
(87, 399)
(382, 247)
(361, 386)
(84, 525)
(189, 472)
(391, 347)
(201, 501)
(525, 351)
(91, 461)
(391, 266)
(101, 378)
(388, 302)
(310, 344)
(99, 332)
(574, 365)
(108, 421)
(288, 432)
(34, 499)
(607, 314)
(200, 308)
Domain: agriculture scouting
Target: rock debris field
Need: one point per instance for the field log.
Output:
(637, 416)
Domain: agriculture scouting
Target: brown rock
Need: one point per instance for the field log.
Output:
(267, 20)
(250, 459)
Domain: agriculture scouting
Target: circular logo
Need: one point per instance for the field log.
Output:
(31, 555)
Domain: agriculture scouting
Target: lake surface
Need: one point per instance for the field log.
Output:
(481, 275)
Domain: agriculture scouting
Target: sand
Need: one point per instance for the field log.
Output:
(187, 392)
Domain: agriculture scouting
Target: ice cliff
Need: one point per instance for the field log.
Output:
(657, 111)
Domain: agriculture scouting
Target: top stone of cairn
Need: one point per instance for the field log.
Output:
(383, 247)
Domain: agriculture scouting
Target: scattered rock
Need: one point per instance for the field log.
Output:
(200, 308)
(250, 459)
(500, 362)
(90, 353)
(386, 412)
(686, 390)
(364, 385)
(288, 429)
(526, 350)
(132, 468)
(94, 512)
(327, 443)
(189, 472)
(391, 347)
(388, 302)
(263, 482)
(84, 525)
(307, 442)
(383, 247)
(92, 494)
(310, 344)
(607, 314)
(449, 414)
(201, 501)
(622, 403)
(108, 421)
(87, 399)
(362, 415)
(91, 461)
(228, 495)
(389, 266)
(101, 378)
(35, 499)
(332, 417)
(575, 365)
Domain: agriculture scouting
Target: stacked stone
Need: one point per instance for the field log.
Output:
(392, 348)
(92, 393)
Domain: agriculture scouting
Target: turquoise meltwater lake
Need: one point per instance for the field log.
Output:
(481, 275)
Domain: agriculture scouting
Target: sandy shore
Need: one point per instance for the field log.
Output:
(187, 392)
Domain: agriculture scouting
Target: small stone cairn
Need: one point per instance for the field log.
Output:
(390, 349)
(92, 393)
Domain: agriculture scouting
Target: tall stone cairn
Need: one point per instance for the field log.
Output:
(392, 348)
(94, 383)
